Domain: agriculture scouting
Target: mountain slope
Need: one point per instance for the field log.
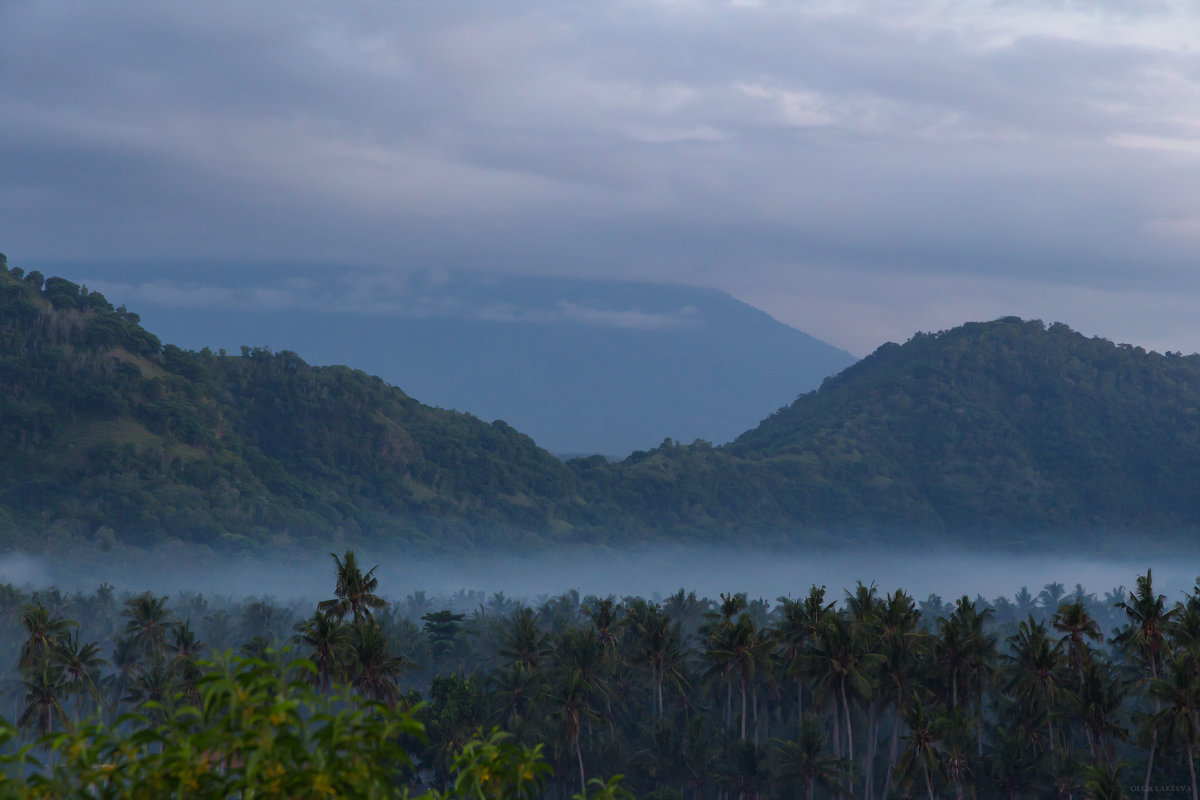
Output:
(582, 366)
(989, 426)
(104, 430)
(1006, 431)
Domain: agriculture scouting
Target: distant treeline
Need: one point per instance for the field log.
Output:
(1006, 432)
(828, 694)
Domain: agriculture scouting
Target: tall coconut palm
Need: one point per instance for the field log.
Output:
(955, 730)
(1180, 690)
(843, 669)
(1031, 672)
(1143, 639)
(579, 651)
(81, 663)
(46, 685)
(795, 632)
(1097, 705)
(524, 640)
(605, 613)
(43, 632)
(354, 590)
(804, 760)
(920, 745)
(739, 647)
(186, 649)
(376, 667)
(516, 692)
(744, 769)
(1076, 625)
(657, 647)
(902, 649)
(569, 695)
(149, 621)
(329, 644)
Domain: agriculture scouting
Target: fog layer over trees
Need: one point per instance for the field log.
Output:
(1050, 690)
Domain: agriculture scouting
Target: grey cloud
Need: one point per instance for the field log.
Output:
(690, 142)
(405, 294)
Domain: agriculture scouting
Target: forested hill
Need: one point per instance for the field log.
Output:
(1002, 426)
(109, 435)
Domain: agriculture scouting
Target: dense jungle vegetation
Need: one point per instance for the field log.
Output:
(1007, 432)
(824, 695)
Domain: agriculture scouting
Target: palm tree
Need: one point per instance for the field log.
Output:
(329, 644)
(1076, 624)
(843, 669)
(580, 651)
(744, 769)
(524, 640)
(1011, 768)
(604, 612)
(153, 689)
(570, 695)
(376, 668)
(186, 649)
(1143, 637)
(803, 761)
(80, 662)
(1051, 595)
(902, 648)
(1178, 720)
(43, 632)
(920, 746)
(795, 632)
(657, 646)
(1097, 705)
(954, 729)
(1031, 671)
(46, 684)
(149, 622)
(514, 696)
(354, 590)
(1104, 783)
(739, 647)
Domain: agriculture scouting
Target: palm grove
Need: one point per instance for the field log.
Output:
(870, 695)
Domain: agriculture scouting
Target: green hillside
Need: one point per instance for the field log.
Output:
(998, 432)
(999, 426)
(107, 433)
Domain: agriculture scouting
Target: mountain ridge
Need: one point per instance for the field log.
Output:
(581, 365)
(1008, 430)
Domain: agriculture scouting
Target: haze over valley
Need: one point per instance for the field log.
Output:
(635, 400)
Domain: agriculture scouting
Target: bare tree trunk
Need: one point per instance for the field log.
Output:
(743, 709)
(1153, 738)
(1192, 770)
(837, 736)
(754, 706)
(849, 727)
(869, 787)
(579, 755)
(1050, 718)
(893, 749)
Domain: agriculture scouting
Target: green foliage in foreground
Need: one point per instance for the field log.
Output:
(260, 731)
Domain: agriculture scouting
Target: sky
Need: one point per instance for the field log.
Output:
(860, 170)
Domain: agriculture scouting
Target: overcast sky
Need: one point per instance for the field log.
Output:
(860, 170)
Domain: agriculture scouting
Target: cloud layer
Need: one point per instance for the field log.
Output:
(859, 169)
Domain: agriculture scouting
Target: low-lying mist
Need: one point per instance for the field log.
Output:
(647, 572)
